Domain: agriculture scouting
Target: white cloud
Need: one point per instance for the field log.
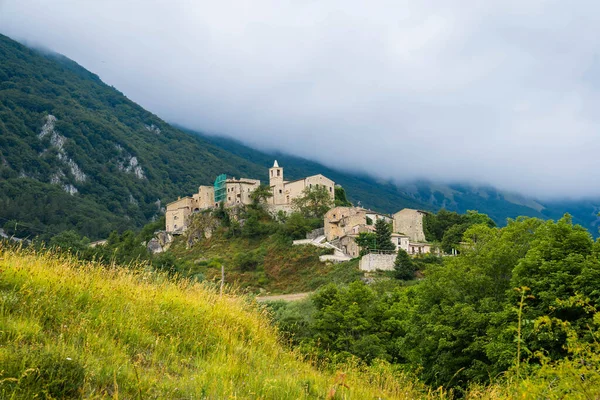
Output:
(500, 92)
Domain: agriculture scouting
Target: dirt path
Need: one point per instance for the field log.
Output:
(284, 297)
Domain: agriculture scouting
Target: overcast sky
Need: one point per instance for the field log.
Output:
(503, 92)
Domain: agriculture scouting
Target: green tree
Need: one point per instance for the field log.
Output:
(70, 240)
(366, 241)
(340, 197)
(453, 236)
(314, 202)
(383, 233)
(260, 195)
(296, 226)
(404, 266)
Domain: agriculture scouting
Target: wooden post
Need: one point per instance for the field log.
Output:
(222, 277)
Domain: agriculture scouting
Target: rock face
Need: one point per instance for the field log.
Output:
(129, 164)
(153, 128)
(160, 242)
(58, 142)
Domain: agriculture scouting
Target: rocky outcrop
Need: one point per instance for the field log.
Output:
(58, 141)
(129, 164)
(160, 242)
(153, 128)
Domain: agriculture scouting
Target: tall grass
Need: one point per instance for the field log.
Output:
(70, 329)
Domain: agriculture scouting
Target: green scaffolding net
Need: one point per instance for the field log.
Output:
(220, 188)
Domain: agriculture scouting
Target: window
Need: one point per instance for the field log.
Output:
(280, 191)
(175, 217)
(330, 189)
(175, 226)
(229, 198)
(278, 172)
(310, 185)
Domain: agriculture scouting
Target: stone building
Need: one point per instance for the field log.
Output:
(342, 225)
(286, 191)
(177, 214)
(179, 211)
(410, 222)
(234, 192)
(341, 221)
(238, 190)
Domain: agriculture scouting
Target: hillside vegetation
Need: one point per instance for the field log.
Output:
(516, 308)
(268, 264)
(77, 154)
(70, 330)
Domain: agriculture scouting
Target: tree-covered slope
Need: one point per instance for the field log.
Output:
(75, 152)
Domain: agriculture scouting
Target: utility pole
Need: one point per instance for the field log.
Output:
(222, 278)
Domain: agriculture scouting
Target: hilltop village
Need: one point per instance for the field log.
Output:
(234, 192)
(341, 225)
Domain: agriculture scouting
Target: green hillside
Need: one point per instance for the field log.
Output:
(73, 330)
(75, 153)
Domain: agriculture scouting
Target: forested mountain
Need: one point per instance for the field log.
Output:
(76, 153)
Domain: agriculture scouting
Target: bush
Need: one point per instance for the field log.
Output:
(296, 226)
(249, 261)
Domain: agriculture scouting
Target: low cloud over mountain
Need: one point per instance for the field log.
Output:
(500, 92)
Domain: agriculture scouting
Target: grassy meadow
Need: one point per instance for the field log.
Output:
(76, 330)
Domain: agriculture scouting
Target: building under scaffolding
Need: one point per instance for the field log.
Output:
(220, 188)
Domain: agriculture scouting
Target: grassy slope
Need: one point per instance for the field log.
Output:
(285, 268)
(76, 330)
(71, 330)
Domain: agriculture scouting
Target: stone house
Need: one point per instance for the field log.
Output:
(286, 191)
(415, 248)
(238, 190)
(410, 222)
(177, 214)
(343, 224)
(341, 221)
(373, 216)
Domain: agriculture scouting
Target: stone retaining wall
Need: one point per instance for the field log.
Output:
(377, 262)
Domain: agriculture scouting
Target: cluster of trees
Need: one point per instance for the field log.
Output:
(514, 296)
(448, 227)
(380, 240)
